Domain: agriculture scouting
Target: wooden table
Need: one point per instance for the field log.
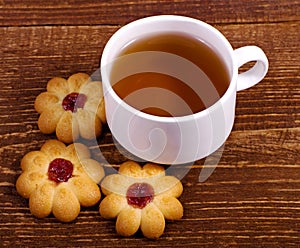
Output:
(253, 197)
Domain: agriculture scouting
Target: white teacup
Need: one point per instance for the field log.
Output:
(184, 139)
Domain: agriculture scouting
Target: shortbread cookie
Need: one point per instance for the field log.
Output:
(60, 179)
(141, 197)
(72, 108)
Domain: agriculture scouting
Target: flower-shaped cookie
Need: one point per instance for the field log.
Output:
(72, 108)
(59, 179)
(141, 197)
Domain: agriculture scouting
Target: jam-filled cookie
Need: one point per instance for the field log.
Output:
(141, 198)
(71, 108)
(59, 179)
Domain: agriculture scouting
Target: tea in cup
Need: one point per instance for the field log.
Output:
(170, 86)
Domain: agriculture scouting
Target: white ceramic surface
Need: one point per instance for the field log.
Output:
(177, 140)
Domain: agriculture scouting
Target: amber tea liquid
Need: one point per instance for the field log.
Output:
(169, 94)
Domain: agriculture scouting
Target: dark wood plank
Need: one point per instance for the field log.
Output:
(20, 13)
(220, 211)
(255, 106)
(33, 55)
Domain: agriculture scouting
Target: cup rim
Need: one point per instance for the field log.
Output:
(114, 38)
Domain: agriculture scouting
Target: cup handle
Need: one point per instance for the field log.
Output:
(255, 74)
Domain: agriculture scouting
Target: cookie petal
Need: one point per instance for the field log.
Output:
(40, 201)
(112, 205)
(76, 81)
(115, 183)
(152, 222)
(45, 101)
(28, 182)
(93, 90)
(130, 169)
(66, 206)
(101, 111)
(86, 191)
(53, 149)
(169, 206)
(153, 170)
(89, 124)
(94, 169)
(67, 128)
(58, 86)
(128, 221)
(97, 107)
(49, 119)
(168, 185)
(91, 105)
(35, 161)
(77, 152)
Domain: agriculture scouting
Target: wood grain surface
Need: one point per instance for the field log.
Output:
(252, 199)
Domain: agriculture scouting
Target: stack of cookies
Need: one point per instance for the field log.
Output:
(62, 176)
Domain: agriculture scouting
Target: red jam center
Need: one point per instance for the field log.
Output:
(139, 195)
(60, 170)
(74, 101)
